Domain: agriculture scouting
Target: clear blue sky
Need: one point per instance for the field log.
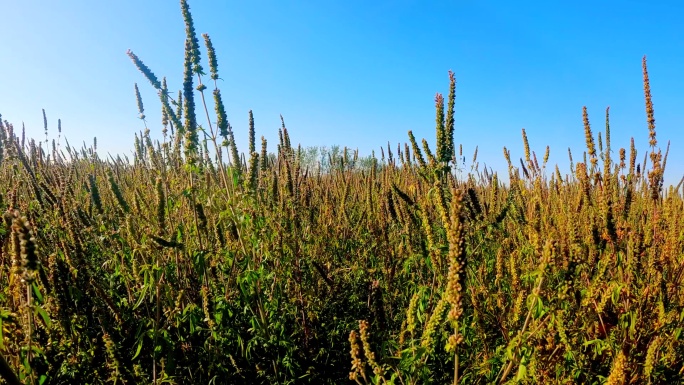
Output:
(358, 73)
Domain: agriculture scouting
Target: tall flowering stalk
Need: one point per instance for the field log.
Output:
(191, 138)
(456, 276)
(441, 133)
(650, 119)
(449, 124)
(655, 176)
(252, 134)
(224, 128)
(589, 138)
(149, 75)
(221, 117)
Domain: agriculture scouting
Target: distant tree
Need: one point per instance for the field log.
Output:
(325, 159)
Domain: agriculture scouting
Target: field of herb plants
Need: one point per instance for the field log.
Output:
(194, 264)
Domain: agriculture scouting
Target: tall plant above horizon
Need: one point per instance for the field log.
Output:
(655, 175)
(444, 127)
(187, 130)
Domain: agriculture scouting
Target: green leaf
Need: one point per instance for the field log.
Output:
(44, 316)
(138, 349)
(522, 372)
(141, 298)
(36, 291)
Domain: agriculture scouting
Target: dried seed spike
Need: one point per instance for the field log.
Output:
(211, 56)
(439, 120)
(144, 69)
(546, 156)
(417, 154)
(138, 99)
(650, 119)
(191, 137)
(264, 154)
(589, 137)
(526, 145)
(252, 144)
(24, 246)
(449, 125)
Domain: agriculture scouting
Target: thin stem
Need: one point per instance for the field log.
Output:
(456, 365)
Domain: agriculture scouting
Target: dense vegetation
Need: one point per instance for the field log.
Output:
(180, 266)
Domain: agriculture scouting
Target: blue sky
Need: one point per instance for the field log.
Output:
(358, 73)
